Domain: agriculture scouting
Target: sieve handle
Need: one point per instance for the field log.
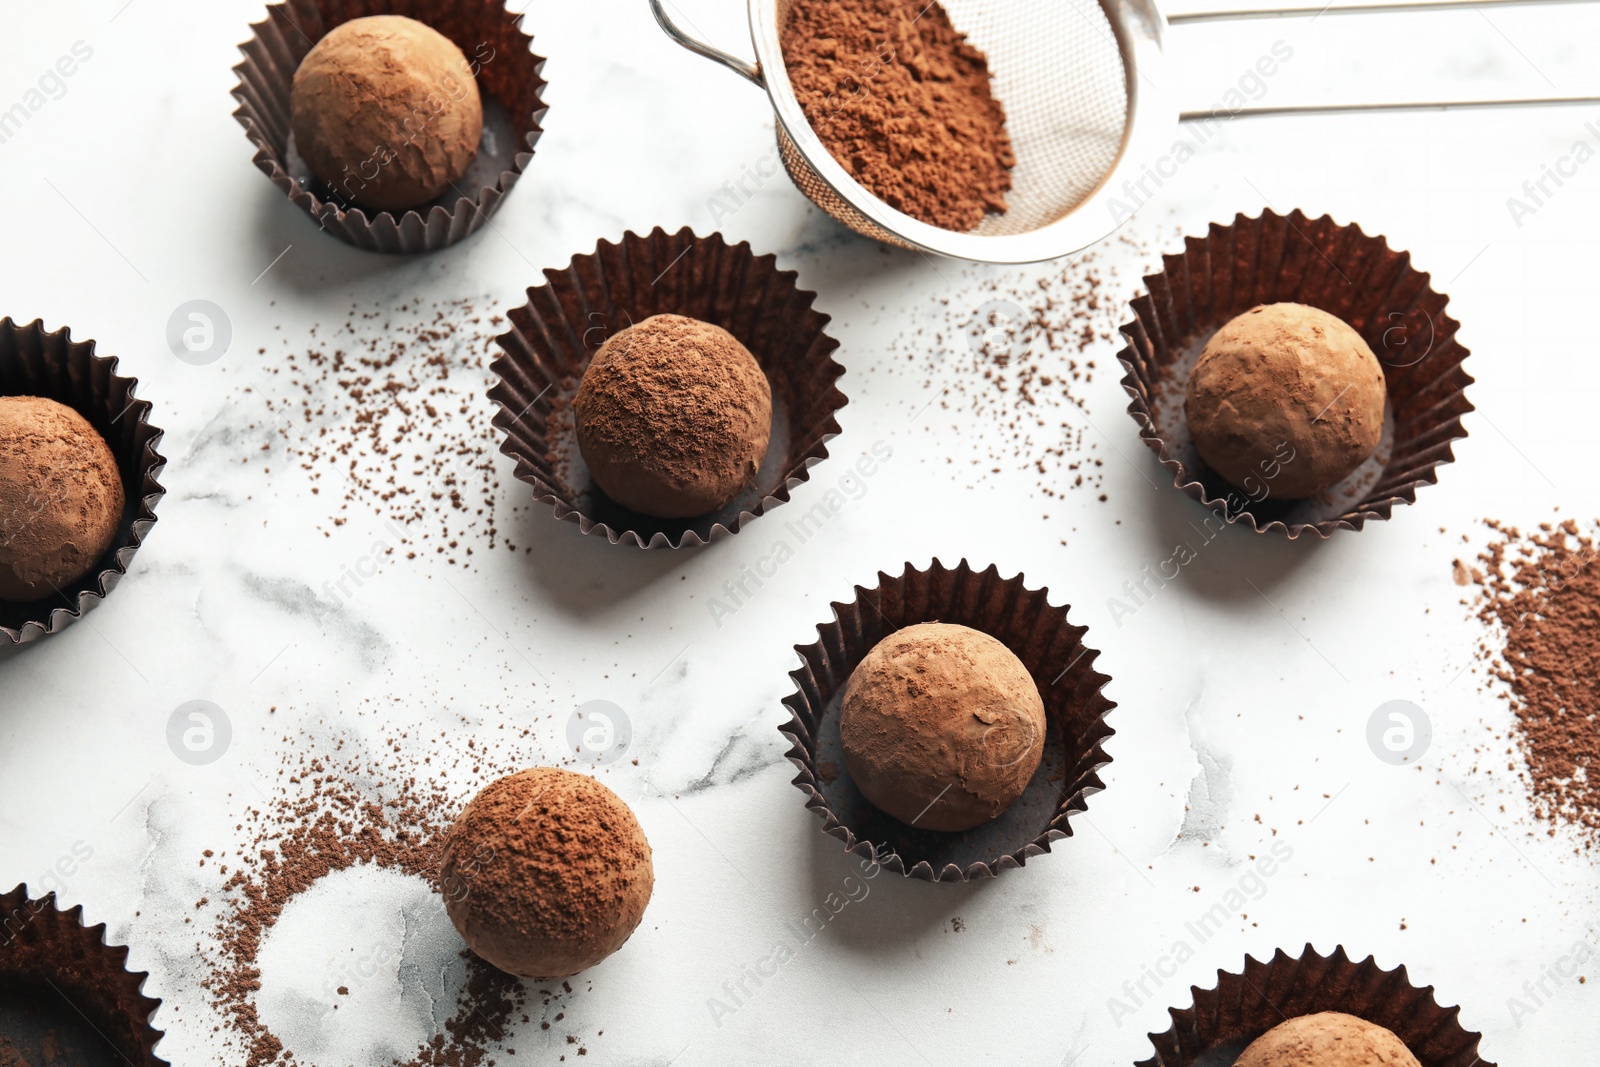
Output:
(1408, 105)
(1361, 7)
(749, 71)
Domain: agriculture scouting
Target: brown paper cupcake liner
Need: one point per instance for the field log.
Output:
(34, 362)
(508, 75)
(66, 996)
(1041, 637)
(1344, 272)
(570, 316)
(1242, 1007)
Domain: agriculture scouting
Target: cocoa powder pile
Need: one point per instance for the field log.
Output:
(329, 814)
(903, 102)
(1540, 595)
(387, 416)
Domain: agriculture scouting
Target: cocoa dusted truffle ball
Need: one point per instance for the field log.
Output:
(673, 416)
(1328, 1039)
(61, 497)
(546, 873)
(1287, 399)
(386, 112)
(942, 726)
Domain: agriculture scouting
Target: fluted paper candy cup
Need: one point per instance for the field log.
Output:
(567, 319)
(66, 996)
(1242, 1007)
(509, 82)
(37, 362)
(1342, 271)
(1061, 665)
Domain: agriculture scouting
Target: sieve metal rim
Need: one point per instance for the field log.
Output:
(1140, 30)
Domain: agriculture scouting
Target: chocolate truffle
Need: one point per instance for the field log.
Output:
(1287, 399)
(942, 726)
(546, 873)
(1328, 1039)
(673, 416)
(386, 112)
(61, 497)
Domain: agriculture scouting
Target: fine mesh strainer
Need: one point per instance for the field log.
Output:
(1087, 108)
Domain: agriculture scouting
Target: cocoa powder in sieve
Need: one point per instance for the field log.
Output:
(903, 102)
(1541, 592)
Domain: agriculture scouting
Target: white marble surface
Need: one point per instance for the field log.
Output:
(133, 192)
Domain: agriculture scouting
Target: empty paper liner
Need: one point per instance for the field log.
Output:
(1339, 269)
(566, 320)
(1062, 668)
(67, 998)
(509, 83)
(1242, 1007)
(35, 362)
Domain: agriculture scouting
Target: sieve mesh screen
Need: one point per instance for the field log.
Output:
(1058, 70)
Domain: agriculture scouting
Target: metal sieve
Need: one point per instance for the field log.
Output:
(1081, 129)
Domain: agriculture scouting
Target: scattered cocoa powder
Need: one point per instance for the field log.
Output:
(1015, 353)
(329, 814)
(903, 102)
(1540, 595)
(10, 1056)
(388, 414)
